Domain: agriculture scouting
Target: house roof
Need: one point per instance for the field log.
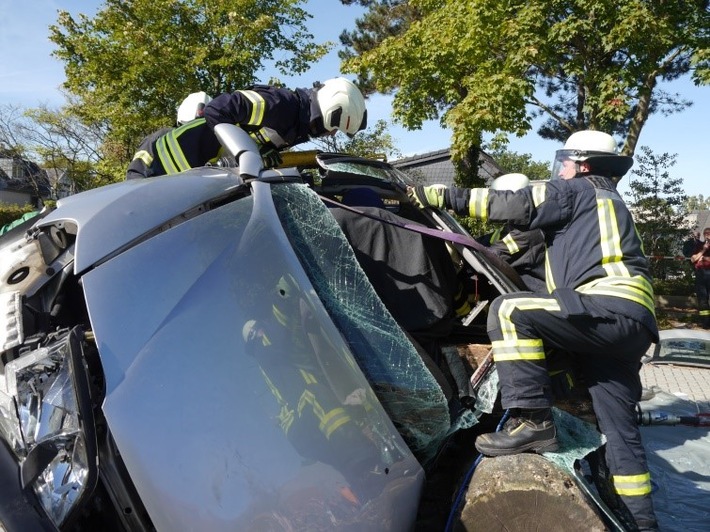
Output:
(436, 167)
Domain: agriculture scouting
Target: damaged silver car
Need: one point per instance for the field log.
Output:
(221, 350)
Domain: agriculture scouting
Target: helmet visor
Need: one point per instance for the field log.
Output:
(565, 164)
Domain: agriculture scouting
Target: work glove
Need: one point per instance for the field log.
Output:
(429, 196)
(271, 158)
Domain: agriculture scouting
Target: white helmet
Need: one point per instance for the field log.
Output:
(247, 330)
(342, 106)
(192, 107)
(510, 182)
(598, 149)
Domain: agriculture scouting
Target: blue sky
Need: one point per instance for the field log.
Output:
(30, 76)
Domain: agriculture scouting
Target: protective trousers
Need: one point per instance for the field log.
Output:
(702, 292)
(608, 349)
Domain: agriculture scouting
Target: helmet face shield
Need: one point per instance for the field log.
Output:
(565, 163)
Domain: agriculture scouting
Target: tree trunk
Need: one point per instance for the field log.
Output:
(525, 492)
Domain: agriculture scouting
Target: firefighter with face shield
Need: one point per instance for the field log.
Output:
(598, 305)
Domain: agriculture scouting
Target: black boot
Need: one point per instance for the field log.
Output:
(532, 430)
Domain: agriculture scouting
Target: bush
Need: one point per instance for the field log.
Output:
(10, 212)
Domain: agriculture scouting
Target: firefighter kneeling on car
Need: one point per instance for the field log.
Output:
(598, 305)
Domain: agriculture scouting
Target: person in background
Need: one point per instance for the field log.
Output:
(700, 259)
(599, 306)
(276, 118)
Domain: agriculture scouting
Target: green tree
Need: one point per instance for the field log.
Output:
(59, 142)
(521, 162)
(131, 65)
(697, 203)
(494, 67)
(375, 142)
(658, 205)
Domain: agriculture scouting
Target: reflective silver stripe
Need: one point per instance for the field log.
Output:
(636, 288)
(144, 156)
(478, 203)
(511, 244)
(523, 303)
(538, 193)
(509, 350)
(549, 280)
(258, 106)
(612, 254)
(632, 485)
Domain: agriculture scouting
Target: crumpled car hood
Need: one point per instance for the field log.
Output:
(193, 414)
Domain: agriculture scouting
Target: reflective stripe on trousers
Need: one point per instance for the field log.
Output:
(522, 325)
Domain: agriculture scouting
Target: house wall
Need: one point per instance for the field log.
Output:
(436, 168)
(16, 198)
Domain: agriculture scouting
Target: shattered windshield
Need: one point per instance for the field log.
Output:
(405, 387)
(356, 168)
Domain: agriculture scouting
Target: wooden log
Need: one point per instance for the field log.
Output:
(525, 492)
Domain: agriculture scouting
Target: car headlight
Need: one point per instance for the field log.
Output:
(46, 418)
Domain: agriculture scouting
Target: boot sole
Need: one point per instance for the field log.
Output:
(539, 447)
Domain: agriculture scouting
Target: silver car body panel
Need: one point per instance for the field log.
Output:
(191, 412)
(110, 217)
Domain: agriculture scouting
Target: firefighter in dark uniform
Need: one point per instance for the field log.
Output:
(287, 345)
(276, 118)
(191, 107)
(599, 305)
(700, 259)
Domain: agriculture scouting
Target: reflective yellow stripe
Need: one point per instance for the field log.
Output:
(164, 156)
(169, 151)
(286, 415)
(523, 303)
(507, 350)
(176, 151)
(308, 377)
(478, 203)
(333, 420)
(610, 239)
(258, 107)
(632, 485)
(329, 421)
(496, 235)
(281, 317)
(256, 138)
(144, 156)
(538, 193)
(705, 313)
(636, 288)
(511, 244)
